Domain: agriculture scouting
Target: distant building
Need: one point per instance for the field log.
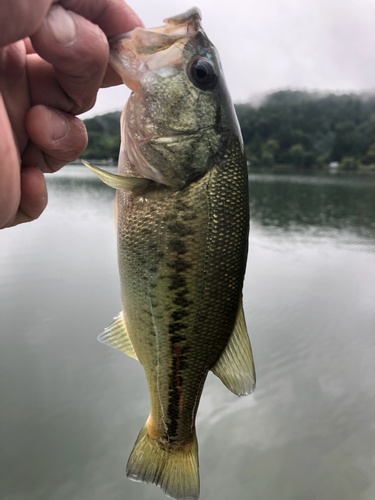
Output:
(334, 165)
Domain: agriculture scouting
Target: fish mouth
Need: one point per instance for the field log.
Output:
(151, 40)
(154, 48)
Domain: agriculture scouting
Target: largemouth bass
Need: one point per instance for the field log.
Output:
(182, 230)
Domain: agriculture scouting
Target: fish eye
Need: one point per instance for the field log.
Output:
(203, 73)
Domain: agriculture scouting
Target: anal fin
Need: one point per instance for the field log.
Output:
(235, 367)
(116, 336)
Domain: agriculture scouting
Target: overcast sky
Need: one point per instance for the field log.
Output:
(267, 45)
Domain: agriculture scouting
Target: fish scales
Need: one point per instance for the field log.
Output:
(182, 230)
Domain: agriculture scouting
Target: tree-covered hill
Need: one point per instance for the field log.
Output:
(290, 127)
(309, 129)
(104, 137)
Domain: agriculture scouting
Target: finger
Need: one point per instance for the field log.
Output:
(9, 170)
(33, 196)
(14, 88)
(113, 16)
(111, 78)
(44, 87)
(79, 52)
(29, 46)
(57, 138)
(20, 18)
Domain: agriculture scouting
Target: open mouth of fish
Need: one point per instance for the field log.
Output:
(152, 49)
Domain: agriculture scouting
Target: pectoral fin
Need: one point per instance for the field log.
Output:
(116, 336)
(235, 367)
(134, 184)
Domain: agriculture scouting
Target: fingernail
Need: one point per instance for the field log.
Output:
(59, 125)
(62, 25)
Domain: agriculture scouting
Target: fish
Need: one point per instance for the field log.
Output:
(182, 232)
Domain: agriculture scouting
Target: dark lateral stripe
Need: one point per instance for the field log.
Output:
(176, 380)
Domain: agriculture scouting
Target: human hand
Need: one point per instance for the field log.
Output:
(53, 59)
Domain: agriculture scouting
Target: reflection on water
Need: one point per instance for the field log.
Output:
(299, 203)
(71, 408)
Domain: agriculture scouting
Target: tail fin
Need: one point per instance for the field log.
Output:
(174, 468)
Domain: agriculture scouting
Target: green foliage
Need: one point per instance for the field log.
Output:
(297, 155)
(267, 159)
(310, 129)
(321, 162)
(272, 146)
(349, 163)
(370, 156)
(104, 137)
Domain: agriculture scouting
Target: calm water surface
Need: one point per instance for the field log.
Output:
(71, 408)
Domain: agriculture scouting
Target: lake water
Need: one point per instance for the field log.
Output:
(71, 408)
